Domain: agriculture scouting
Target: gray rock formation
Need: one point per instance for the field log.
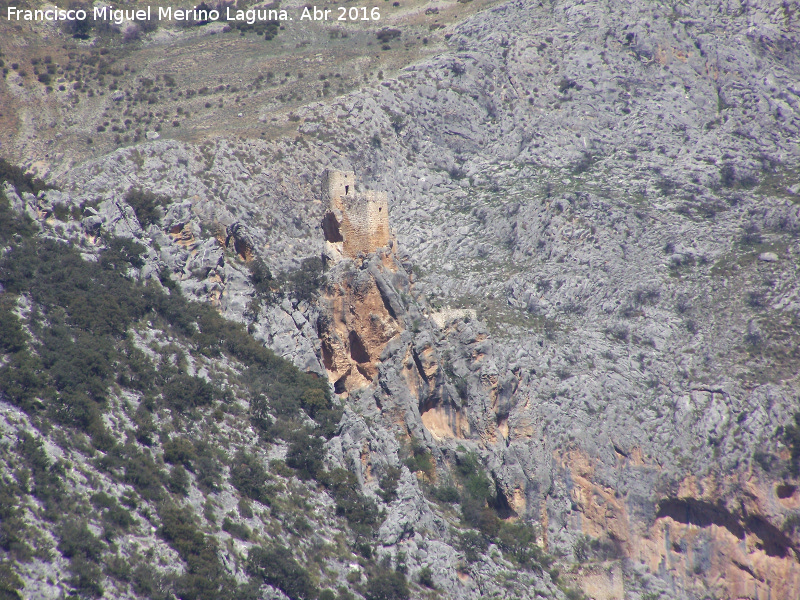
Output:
(612, 187)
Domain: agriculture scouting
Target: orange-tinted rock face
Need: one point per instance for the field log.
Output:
(183, 236)
(720, 537)
(356, 330)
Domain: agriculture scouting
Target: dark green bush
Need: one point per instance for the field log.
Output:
(360, 512)
(261, 277)
(250, 478)
(75, 540)
(388, 484)
(12, 338)
(148, 583)
(144, 474)
(145, 425)
(180, 450)
(113, 515)
(791, 437)
(305, 282)
(12, 523)
(237, 530)
(208, 466)
(314, 401)
(205, 577)
(305, 454)
(386, 584)
(23, 182)
(245, 509)
(146, 205)
(119, 568)
(518, 542)
(426, 578)
(475, 482)
(184, 392)
(477, 514)
(121, 253)
(86, 577)
(445, 493)
(47, 477)
(178, 482)
(473, 545)
(10, 582)
(420, 459)
(277, 567)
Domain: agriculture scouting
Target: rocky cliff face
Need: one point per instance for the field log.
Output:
(613, 189)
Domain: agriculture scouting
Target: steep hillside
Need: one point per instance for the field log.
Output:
(590, 302)
(154, 449)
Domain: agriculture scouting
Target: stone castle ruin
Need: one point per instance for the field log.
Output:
(356, 222)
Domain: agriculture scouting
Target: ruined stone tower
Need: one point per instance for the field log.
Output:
(356, 221)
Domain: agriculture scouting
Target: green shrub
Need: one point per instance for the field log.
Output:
(205, 577)
(75, 540)
(250, 478)
(420, 459)
(477, 514)
(445, 493)
(237, 530)
(791, 437)
(388, 484)
(208, 467)
(473, 545)
(145, 425)
(387, 585)
(244, 508)
(178, 482)
(86, 577)
(23, 182)
(314, 400)
(12, 522)
(9, 582)
(586, 548)
(121, 253)
(12, 337)
(142, 472)
(146, 206)
(148, 583)
(180, 450)
(426, 578)
(184, 392)
(47, 477)
(475, 482)
(305, 282)
(277, 567)
(113, 515)
(518, 542)
(305, 454)
(119, 568)
(327, 595)
(261, 277)
(360, 512)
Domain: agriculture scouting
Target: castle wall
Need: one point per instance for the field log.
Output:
(357, 220)
(338, 185)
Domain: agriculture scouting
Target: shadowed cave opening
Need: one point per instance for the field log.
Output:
(357, 350)
(704, 514)
(340, 385)
(331, 229)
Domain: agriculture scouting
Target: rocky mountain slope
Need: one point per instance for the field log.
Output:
(614, 189)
